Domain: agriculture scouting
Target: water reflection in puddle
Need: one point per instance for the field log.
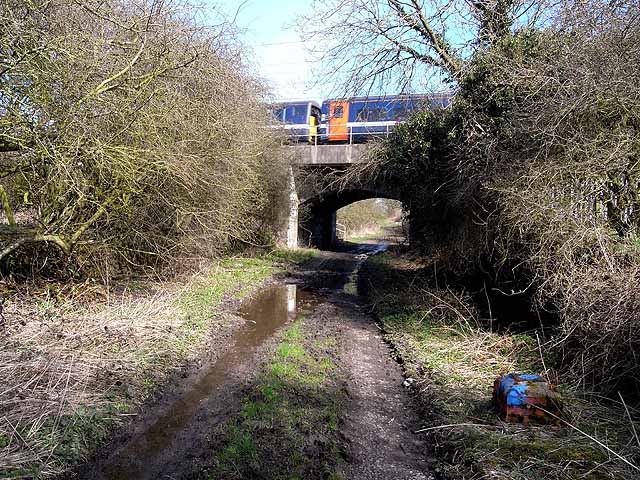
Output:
(265, 314)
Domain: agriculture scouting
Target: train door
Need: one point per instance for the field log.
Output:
(338, 118)
(314, 121)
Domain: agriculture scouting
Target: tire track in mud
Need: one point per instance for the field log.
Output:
(175, 442)
(380, 417)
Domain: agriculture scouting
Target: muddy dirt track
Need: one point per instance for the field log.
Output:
(172, 439)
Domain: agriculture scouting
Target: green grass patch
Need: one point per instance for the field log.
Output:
(293, 333)
(296, 256)
(290, 350)
(232, 276)
(287, 426)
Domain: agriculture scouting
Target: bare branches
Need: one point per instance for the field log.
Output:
(447, 59)
(133, 128)
(391, 45)
(535, 171)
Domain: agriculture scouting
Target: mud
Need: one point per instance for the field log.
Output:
(381, 416)
(172, 439)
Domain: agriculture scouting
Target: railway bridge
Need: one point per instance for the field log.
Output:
(319, 188)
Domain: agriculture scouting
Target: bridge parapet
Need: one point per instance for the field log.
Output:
(330, 154)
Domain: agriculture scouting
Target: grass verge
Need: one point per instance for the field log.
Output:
(454, 362)
(295, 256)
(77, 360)
(288, 424)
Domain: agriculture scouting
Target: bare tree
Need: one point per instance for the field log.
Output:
(382, 45)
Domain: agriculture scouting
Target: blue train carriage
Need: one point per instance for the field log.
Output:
(300, 119)
(361, 119)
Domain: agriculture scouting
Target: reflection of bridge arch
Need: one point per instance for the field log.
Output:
(317, 220)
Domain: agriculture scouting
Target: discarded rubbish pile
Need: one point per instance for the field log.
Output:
(524, 397)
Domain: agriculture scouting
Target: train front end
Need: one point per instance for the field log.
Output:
(299, 119)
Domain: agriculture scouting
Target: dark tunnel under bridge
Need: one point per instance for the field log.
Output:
(317, 216)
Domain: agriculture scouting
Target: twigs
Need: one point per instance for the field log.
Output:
(633, 425)
(453, 425)
(146, 117)
(593, 439)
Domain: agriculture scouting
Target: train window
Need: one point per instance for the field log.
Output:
(400, 113)
(276, 113)
(338, 111)
(377, 114)
(363, 114)
(297, 114)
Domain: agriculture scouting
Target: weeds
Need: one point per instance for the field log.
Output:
(454, 362)
(77, 360)
(296, 256)
(287, 426)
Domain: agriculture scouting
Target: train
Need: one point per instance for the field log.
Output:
(301, 120)
(352, 120)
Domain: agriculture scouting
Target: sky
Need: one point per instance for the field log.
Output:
(268, 30)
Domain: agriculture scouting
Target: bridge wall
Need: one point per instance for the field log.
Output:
(317, 222)
(319, 188)
(330, 154)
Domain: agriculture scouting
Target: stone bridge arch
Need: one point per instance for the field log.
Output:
(317, 216)
(323, 179)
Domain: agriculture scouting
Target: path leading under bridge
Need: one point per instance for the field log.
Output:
(318, 189)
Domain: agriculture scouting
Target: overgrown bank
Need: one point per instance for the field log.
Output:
(531, 180)
(451, 361)
(133, 151)
(131, 136)
(79, 359)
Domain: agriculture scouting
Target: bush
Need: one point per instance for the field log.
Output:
(127, 133)
(532, 176)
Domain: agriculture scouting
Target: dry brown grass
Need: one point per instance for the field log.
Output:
(57, 358)
(76, 361)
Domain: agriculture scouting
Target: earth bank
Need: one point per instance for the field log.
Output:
(451, 355)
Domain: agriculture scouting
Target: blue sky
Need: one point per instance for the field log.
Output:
(279, 53)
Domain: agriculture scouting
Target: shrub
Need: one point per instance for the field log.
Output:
(128, 132)
(532, 176)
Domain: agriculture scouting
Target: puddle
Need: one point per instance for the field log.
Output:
(271, 309)
(265, 314)
(363, 252)
(367, 249)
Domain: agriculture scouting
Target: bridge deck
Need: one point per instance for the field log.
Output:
(330, 154)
